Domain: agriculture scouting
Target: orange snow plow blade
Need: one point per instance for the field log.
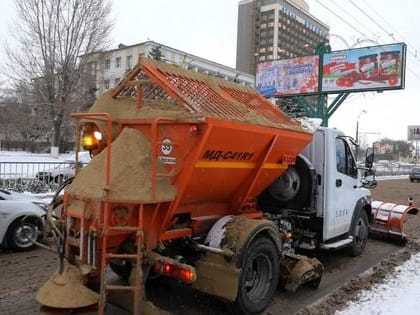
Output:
(389, 218)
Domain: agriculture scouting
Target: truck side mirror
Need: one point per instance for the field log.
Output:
(369, 157)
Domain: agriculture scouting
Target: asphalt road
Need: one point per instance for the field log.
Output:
(23, 273)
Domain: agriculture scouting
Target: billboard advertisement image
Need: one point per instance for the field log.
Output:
(413, 133)
(360, 69)
(288, 76)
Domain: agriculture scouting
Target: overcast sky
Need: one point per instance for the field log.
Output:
(207, 28)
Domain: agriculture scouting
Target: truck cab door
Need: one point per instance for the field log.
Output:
(343, 186)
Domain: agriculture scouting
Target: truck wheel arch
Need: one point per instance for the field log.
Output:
(361, 215)
(361, 205)
(240, 232)
(232, 234)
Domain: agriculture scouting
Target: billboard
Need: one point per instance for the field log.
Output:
(382, 148)
(413, 133)
(363, 69)
(288, 76)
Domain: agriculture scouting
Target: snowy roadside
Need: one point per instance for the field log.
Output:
(398, 294)
(20, 156)
(378, 290)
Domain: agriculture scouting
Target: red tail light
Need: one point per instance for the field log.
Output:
(183, 273)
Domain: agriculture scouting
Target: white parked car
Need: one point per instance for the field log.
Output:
(64, 170)
(22, 219)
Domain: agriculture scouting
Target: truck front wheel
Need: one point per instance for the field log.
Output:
(259, 276)
(360, 233)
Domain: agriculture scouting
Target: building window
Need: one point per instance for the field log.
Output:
(118, 62)
(116, 81)
(107, 64)
(128, 62)
(106, 84)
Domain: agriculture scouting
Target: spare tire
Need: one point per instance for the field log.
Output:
(293, 190)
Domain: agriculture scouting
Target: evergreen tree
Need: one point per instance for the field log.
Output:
(155, 53)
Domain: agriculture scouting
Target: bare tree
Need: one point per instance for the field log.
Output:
(49, 37)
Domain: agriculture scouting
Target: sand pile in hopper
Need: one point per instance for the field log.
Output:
(124, 107)
(130, 172)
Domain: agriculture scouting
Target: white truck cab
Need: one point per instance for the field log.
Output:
(322, 199)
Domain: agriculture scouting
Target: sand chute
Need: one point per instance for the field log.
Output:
(65, 290)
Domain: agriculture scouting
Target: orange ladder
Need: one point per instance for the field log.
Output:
(137, 257)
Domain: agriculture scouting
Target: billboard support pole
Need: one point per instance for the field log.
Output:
(321, 107)
(336, 104)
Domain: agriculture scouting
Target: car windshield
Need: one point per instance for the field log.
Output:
(416, 170)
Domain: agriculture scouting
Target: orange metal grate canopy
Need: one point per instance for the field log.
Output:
(202, 94)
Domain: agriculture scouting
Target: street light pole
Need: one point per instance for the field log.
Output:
(357, 133)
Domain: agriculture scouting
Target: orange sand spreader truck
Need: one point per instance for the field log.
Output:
(205, 181)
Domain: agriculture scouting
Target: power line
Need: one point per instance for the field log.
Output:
(392, 28)
(412, 72)
(346, 12)
(380, 26)
(328, 9)
(376, 23)
(386, 22)
(370, 18)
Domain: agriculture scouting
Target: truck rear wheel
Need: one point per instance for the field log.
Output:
(360, 233)
(259, 277)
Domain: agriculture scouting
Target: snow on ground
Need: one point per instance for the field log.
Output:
(21, 156)
(14, 164)
(23, 164)
(398, 294)
(388, 177)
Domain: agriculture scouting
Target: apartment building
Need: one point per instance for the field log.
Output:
(108, 67)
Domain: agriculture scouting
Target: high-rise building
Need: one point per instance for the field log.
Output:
(276, 29)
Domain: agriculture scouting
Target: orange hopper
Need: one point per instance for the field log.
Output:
(217, 142)
(178, 150)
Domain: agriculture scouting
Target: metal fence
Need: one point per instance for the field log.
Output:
(35, 177)
(392, 170)
(43, 177)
